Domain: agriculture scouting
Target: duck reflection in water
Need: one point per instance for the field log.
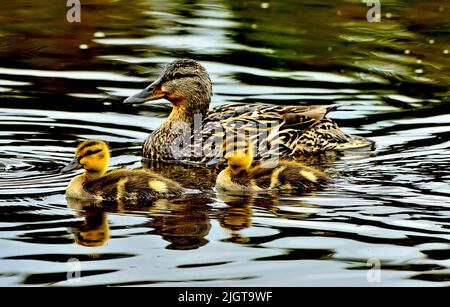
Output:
(184, 223)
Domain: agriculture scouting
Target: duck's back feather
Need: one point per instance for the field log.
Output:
(276, 131)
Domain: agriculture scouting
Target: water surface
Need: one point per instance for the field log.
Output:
(64, 82)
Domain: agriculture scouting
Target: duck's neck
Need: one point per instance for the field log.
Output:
(184, 117)
(187, 110)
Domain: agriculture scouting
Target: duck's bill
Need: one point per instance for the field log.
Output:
(151, 92)
(74, 164)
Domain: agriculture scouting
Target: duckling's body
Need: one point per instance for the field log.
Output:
(281, 175)
(286, 130)
(267, 176)
(120, 184)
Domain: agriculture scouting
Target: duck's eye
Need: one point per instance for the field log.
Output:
(177, 75)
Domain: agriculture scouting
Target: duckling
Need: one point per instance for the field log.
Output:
(119, 184)
(283, 175)
(288, 130)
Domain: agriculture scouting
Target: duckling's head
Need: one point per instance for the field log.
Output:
(238, 154)
(184, 82)
(93, 156)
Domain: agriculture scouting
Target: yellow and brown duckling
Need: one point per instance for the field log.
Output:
(282, 175)
(293, 130)
(97, 184)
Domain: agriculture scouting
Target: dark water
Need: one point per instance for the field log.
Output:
(63, 82)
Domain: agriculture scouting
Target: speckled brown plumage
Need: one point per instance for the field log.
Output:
(275, 130)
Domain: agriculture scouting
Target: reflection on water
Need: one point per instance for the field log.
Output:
(64, 82)
(94, 231)
(178, 222)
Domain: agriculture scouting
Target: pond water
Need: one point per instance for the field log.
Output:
(62, 82)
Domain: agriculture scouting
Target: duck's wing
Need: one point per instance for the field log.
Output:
(266, 113)
(273, 130)
(322, 136)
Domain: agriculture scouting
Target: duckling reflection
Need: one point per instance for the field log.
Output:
(94, 231)
(183, 223)
(236, 216)
(238, 213)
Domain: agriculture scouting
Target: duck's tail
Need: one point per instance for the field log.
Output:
(354, 143)
(326, 135)
(343, 140)
(332, 108)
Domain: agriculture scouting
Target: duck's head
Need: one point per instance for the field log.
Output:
(184, 82)
(237, 152)
(92, 156)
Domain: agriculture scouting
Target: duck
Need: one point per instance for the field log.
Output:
(266, 176)
(98, 184)
(193, 132)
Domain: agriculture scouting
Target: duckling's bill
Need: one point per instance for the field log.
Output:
(216, 161)
(74, 164)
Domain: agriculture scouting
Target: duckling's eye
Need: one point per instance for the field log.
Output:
(91, 152)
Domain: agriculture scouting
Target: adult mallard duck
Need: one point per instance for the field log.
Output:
(192, 132)
(273, 175)
(120, 184)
